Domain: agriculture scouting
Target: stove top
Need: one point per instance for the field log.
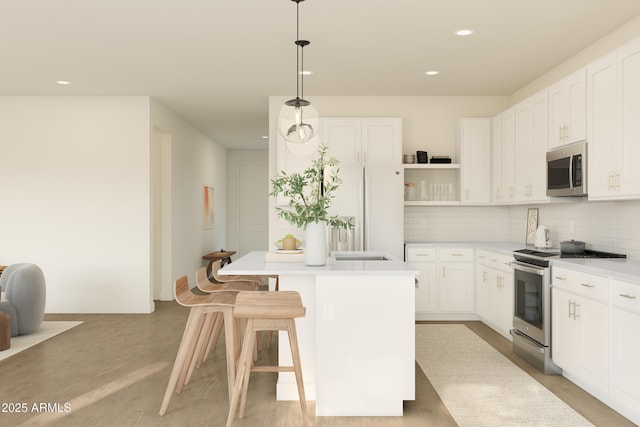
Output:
(541, 256)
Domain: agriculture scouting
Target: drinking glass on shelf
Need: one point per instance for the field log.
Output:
(423, 190)
(450, 192)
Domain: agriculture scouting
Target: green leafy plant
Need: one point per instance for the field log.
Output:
(309, 193)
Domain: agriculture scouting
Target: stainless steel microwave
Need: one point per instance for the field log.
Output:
(567, 170)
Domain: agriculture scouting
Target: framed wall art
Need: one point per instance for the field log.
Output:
(209, 205)
(532, 225)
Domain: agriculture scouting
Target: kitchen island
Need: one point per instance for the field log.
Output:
(357, 340)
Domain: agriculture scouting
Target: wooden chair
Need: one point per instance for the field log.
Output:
(266, 311)
(204, 309)
(205, 285)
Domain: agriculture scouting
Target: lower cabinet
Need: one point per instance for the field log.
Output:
(494, 291)
(624, 384)
(445, 285)
(580, 325)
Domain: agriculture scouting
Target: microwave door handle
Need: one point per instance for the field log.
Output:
(572, 172)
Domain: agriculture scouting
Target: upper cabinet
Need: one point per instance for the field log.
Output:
(567, 110)
(613, 128)
(474, 143)
(532, 142)
(504, 157)
(355, 141)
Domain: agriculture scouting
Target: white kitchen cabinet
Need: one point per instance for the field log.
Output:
(424, 259)
(504, 157)
(364, 141)
(455, 279)
(445, 288)
(625, 347)
(613, 128)
(532, 142)
(567, 110)
(580, 325)
(494, 291)
(474, 145)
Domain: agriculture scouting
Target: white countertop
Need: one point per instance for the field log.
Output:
(254, 264)
(616, 268)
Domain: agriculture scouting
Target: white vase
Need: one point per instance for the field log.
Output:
(315, 250)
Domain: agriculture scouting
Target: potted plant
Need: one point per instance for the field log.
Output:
(309, 197)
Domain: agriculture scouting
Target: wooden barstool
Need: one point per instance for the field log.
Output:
(204, 309)
(266, 311)
(205, 285)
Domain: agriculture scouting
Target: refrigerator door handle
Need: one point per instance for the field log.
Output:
(365, 213)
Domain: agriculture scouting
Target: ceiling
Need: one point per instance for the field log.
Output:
(216, 62)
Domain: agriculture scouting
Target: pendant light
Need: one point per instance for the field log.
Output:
(298, 121)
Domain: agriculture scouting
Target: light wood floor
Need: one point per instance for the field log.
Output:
(113, 370)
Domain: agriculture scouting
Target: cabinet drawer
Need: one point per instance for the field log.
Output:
(589, 285)
(626, 295)
(456, 254)
(421, 254)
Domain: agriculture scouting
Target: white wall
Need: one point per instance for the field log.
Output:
(196, 161)
(74, 188)
(428, 123)
(76, 197)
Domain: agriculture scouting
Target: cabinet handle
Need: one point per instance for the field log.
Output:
(419, 254)
(457, 254)
(569, 311)
(588, 285)
(493, 260)
(484, 277)
(575, 310)
(417, 283)
(559, 278)
(628, 296)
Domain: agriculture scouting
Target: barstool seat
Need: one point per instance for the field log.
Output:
(204, 310)
(266, 311)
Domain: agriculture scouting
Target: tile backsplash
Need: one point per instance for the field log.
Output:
(604, 226)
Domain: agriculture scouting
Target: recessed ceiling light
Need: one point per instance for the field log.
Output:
(265, 136)
(464, 32)
(432, 73)
(63, 82)
(306, 72)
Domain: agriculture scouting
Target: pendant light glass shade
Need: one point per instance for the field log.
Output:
(298, 121)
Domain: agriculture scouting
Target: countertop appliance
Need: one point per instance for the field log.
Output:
(543, 237)
(374, 196)
(567, 170)
(532, 303)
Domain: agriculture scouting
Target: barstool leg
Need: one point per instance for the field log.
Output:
(295, 355)
(245, 359)
(187, 338)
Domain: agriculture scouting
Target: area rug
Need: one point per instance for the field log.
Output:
(481, 387)
(48, 329)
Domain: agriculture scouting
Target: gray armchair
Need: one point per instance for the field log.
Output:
(24, 297)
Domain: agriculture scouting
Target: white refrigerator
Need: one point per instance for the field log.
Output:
(374, 196)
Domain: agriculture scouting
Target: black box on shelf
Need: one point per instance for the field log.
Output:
(422, 157)
(440, 159)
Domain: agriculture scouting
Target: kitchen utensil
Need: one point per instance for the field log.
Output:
(543, 237)
(572, 247)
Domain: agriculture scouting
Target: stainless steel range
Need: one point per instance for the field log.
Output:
(532, 304)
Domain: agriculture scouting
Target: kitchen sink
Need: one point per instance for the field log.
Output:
(360, 257)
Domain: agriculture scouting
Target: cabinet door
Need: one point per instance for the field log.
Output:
(593, 350)
(483, 292)
(475, 162)
(567, 110)
(426, 288)
(532, 141)
(456, 287)
(343, 136)
(565, 338)
(508, 144)
(629, 90)
(625, 357)
(382, 141)
(602, 128)
(496, 160)
(504, 301)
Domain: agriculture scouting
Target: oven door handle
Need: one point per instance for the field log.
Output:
(524, 267)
